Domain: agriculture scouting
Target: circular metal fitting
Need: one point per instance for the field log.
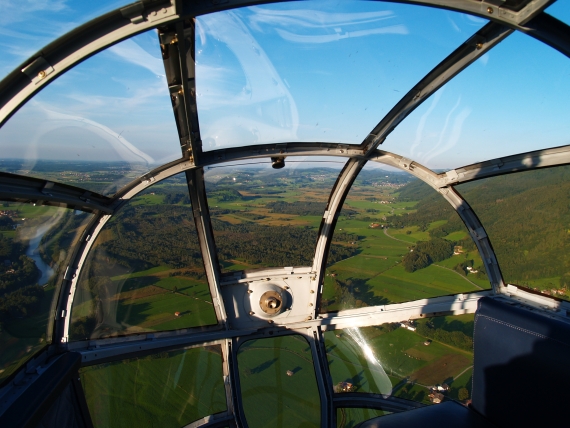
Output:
(271, 302)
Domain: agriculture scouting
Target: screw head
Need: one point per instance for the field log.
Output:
(42, 74)
(490, 10)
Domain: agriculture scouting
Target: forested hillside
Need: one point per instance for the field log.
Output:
(526, 216)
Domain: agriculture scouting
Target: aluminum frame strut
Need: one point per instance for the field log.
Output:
(200, 212)
(19, 188)
(177, 44)
(328, 224)
(471, 50)
(536, 159)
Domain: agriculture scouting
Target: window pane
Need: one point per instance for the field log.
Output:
(483, 112)
(351, 417)
(409, 244)
(314, 71)
(527, 220)
(278, 384)
(30, 26)
(253, 207)
(414, 360)
(145, 270)
(169, 389)
(101, 125)
(35, 245)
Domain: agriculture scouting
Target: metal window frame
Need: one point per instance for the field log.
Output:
(115, 26)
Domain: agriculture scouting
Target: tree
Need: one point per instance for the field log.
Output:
(463, 394)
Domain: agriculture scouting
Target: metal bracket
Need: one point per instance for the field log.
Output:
(38, 70)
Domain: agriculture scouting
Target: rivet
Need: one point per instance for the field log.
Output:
(251, 313)
(164, 10)
(42, 74)
(249, 291)
(479, 46)
(490, 9)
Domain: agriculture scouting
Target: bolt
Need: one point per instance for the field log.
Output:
(42, 74)
(479, 46)
(490, 10)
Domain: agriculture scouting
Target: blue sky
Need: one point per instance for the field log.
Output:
(299, 71)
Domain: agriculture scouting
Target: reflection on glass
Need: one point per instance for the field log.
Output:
(408, 244)
(427, 360)
(527, 220)
(264, 74)
(269, 217)
(169, 389)
(104, 123)
(27, 29)
(145, 270)
(351, 417)
(35, 243)
(278, 384)
(458, 125)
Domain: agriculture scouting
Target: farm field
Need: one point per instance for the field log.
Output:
(287, 400)
(170, 389)
(390, 359)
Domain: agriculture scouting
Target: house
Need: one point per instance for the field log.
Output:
(427, 342)
(177, 314)
(409, 325)
(436, 397)
(290, 373)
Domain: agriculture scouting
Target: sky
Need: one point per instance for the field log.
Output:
(314, 71)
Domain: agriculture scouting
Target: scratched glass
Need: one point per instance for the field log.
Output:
(314, 71)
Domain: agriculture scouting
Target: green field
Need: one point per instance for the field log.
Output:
(287, 401)
(396, 361)
(170, 389)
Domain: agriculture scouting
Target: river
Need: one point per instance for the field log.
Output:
(33, 253)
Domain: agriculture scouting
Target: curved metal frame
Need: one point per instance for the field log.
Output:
(177, 37)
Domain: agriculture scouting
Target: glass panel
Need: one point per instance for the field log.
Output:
(169, 389)
(414, 360)
(527, 220)
(145, 270)
(35, 245)
(409, 244)
(350, 417)
(314, 70)
(559, 10)
(253, 206)
(28, 26)
(279, 373)
(484, 112)
(106, 122)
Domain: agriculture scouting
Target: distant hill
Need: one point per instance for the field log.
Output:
(526, 216)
